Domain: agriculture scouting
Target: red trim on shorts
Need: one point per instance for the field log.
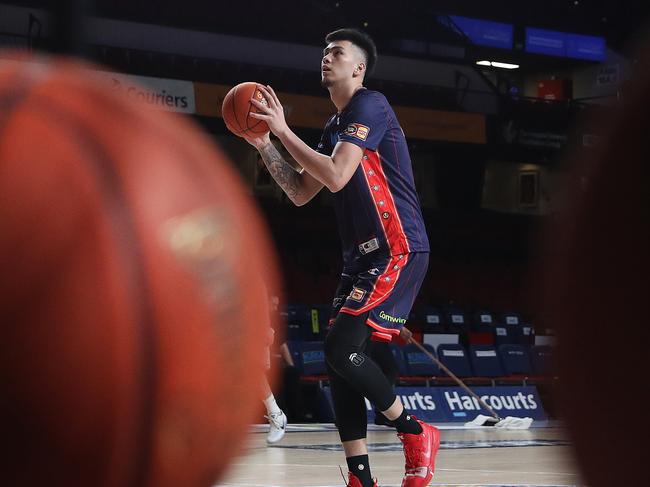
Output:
(382, 288)
(377, 336)
(381, 333)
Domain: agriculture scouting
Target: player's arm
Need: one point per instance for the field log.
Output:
(332, 171)
(299, 187)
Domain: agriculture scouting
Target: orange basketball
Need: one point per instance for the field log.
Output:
(237, 107)
(133, 326)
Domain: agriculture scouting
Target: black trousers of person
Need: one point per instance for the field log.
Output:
(353, 375)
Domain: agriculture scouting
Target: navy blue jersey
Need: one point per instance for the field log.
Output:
(378, 209)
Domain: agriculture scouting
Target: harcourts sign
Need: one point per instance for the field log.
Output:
(506, 401)
(447, 404)
(423, 402)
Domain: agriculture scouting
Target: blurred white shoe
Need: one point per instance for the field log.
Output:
(278, 426)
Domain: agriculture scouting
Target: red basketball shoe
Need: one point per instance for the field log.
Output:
(353, 481)
(420, 453)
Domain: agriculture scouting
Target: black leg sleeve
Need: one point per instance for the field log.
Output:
(345, 354)
(349, 408)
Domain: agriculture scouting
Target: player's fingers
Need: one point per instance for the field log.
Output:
(261, 116)
(275, 97)
(260, 105)
(269, 97)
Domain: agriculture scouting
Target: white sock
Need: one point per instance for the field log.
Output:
(271, 405)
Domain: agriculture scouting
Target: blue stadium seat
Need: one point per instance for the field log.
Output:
(454, 357)
(541, 359)
(431, 318)
(417, 363)
(484, 321)
(399, 359)
(457, 320)
(485, 361)
(313, 358)
(505, 335)
(511, 319)
(298, 319)
(515, 359)
(526, 334)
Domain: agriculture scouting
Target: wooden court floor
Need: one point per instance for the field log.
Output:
(309, 456)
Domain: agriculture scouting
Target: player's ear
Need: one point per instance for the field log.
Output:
(360, 69)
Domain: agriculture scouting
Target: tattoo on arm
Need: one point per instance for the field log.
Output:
(286, 177)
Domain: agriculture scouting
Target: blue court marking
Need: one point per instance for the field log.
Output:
(444, 445)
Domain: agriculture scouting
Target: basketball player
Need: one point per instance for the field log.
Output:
(275, 416)
(363, 159)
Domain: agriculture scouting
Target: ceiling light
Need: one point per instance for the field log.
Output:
(497, 64)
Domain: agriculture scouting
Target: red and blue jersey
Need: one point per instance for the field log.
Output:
(378, 209)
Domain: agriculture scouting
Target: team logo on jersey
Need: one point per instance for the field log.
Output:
(357, 294)
(357, 130)
(369, 246)
(356, 359)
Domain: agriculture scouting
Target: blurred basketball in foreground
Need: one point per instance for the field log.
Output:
(236, 109)
(132, 327)
(598, 287)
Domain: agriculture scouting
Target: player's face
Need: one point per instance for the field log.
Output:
(340, 59)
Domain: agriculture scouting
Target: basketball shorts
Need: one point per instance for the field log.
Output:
(386, 288)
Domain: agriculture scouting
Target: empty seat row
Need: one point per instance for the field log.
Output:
(310, 322)
(434, 320)
(477, 361)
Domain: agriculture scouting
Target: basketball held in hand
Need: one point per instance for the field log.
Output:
(237, 108)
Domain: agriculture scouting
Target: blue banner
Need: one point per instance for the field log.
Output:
(565, 44)
(485, 32)
(448, 404)
(522, 401)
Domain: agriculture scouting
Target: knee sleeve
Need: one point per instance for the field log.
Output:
(348, 335)
(344, 353)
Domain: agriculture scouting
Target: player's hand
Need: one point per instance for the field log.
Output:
(404, 337)
(272, 112)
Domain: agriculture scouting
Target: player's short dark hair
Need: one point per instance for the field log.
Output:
(360, 39)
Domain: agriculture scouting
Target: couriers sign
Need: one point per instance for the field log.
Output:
(166, 94)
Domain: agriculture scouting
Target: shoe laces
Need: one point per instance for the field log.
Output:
(412, 458)
(347, 482)
(412, 453)
(275, 419)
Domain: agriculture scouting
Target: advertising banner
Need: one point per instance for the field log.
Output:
(165, 94)
(522, 401)
(449, 404)
(313, 111)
